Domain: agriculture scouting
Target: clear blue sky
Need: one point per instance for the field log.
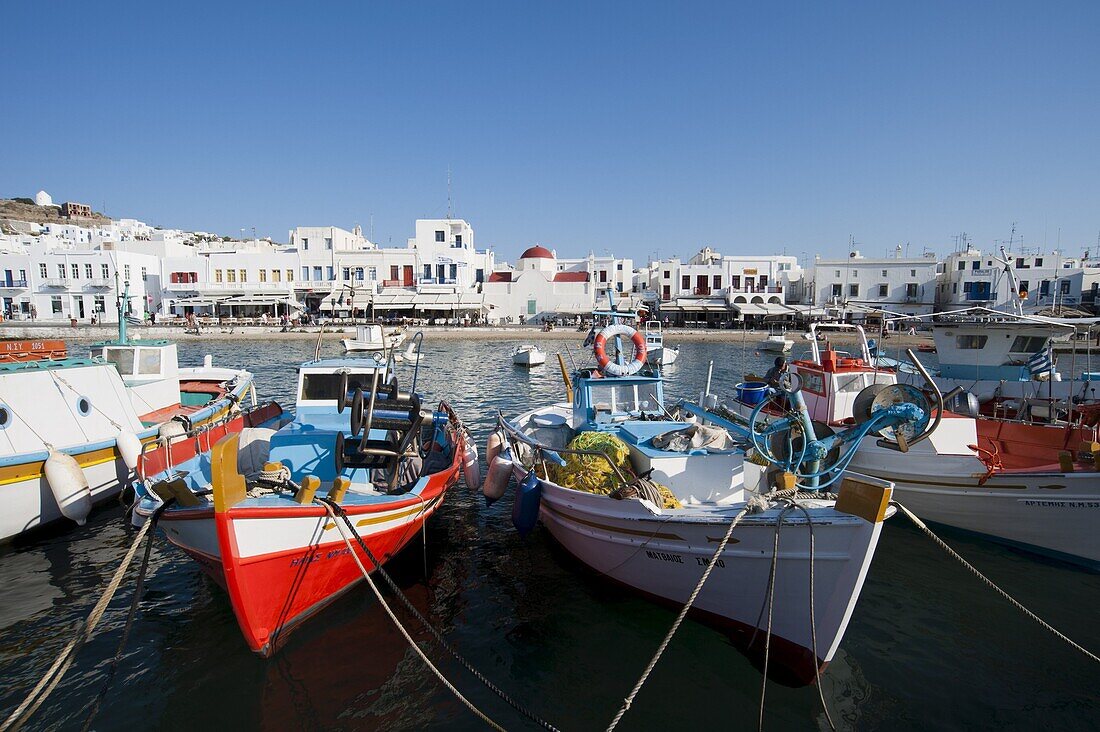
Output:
(631, 127)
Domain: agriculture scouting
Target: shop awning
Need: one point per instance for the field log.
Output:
(688, 304)
(762, 308)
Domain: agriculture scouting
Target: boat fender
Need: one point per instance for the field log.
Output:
(604, 362)
(471, 468)
(129, 446)
(525, 511)
(493, 446)
(171, 429)
(69, 486)
(496, 479)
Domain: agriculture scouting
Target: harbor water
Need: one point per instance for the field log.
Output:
(929, 646)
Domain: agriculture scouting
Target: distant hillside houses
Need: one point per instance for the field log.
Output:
(61, 270)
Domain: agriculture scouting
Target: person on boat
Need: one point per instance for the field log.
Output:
(775, 373)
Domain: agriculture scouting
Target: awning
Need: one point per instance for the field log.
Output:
(261, 300)
(196, 302)
(761, 308)
(697, 305)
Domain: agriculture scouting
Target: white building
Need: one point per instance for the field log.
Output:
(1044, 280)
(543, 288)
(856, 285)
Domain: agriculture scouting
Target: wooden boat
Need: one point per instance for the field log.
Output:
(372, 337)
(75, 429)
(387, 462)
(630, 538)
(18, 351)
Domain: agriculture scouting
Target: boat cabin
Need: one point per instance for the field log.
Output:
(600, 402)
(988, 349)
(150, 370)
(832, 379)
(654, 338)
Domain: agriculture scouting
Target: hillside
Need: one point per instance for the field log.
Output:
(20, 211)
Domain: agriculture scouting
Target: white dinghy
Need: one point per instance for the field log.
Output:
(528, 355)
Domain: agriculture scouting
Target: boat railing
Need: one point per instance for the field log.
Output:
(553, 454)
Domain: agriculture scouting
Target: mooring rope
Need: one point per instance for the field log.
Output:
(1015, 603)
(412, 643)
(65, 659)
(434, 632)
(757, 503)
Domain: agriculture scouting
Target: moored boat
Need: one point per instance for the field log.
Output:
(677, 488)
(528, 355)
(657, 352)
(251, 515)
(374, 337)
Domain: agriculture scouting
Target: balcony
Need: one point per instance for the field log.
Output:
(1058, 299)
(12, 284)
(765, 290)
(58, 282)
(98, 283)
(981, 296)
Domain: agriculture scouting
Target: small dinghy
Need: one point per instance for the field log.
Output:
(257, 515)
(645, 498)
(657, 353)
(528, 355)
(372, 337)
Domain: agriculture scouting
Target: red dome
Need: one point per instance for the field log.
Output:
(537, 252)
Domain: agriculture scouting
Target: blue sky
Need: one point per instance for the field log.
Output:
(638, 128)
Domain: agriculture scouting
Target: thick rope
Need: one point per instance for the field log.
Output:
(1015, 603)
(65, 659)
(753, 505)
(412, 643)
(439, 636)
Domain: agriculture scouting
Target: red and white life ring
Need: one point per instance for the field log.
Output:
(604, 362)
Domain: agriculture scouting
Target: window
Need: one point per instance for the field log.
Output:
(685, 282)
(458, 240)
(144, 275)
(603, 275)
(328, 242)
(276, 275)
(853, 290)
(855, 273)
(126, 272)
(971, 342)
(1038, 261)
(305, 244)
(1019, 262)
(976, 264)
(962, 265)
(290, 275)
(217, 275)
(76, 271)
(359, 274)
(55, 304)
(912, 273)
(911, 290)
(330, 273)
(735, 282)
(122, 358)
(1028, 344)
(244, 275)
(427, 272)
(439, 236)
(1063, 287)
(668, 274)
(531, 307)
(87, 272)
(148, 361)
(106, 271)
(967, 287)
(883, 290)
(61, 271)
(316, 274)
(619, 266)
(954, 288)
(305, 273)
(100, 305)
(1024, 287)
(347, 273)
(372, 272)
(42, 269)
(836, 273)
(479, 275)
(718, 282)
(763, 281)
(395, 271)
(837, 291)
(231, 275)
(263, 275)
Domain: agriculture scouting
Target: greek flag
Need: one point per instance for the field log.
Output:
(131, 320)
(1040, 363)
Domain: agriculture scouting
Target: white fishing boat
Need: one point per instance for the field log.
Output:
(634, 536)
(374, 337)
(1036, 486)
(528, 355)
(76, 431)
(656, 352)
(777, 341)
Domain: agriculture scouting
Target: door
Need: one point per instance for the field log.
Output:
(407, 275)
(80, 308)
(750, 284)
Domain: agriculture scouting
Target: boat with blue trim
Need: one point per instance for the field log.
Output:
(677, 480)
(253, 517)
(75, 432)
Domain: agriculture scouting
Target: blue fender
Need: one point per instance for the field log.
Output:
(525, 511)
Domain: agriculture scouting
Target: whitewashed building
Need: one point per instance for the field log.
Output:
(857, 285)
(973, 278)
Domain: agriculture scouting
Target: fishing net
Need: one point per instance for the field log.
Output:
(592, 474)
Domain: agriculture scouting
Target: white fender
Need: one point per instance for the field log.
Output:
(492, 447)
(129, 446)
(496, 482)
(172, 428)
(471, 468)
(69, 486)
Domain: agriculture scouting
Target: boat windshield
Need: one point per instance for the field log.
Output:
(122, 358)
(624, 398)
(326, 386)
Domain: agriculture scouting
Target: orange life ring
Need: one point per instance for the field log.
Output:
(604, 362)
